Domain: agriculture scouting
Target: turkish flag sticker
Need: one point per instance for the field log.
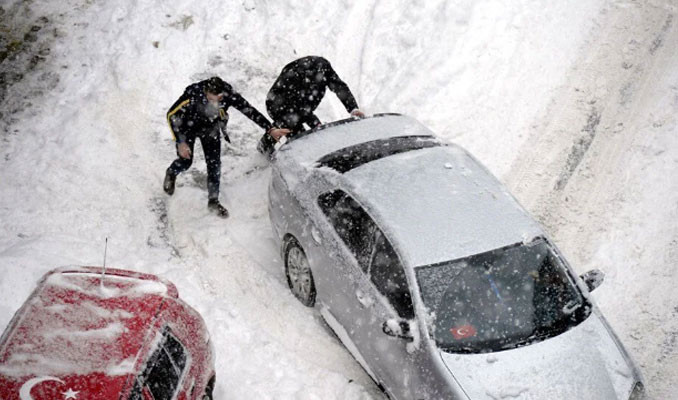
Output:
(463, 332)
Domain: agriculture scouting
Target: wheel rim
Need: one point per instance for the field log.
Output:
(299, 273)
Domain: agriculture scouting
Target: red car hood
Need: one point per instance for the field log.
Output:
(77, 334)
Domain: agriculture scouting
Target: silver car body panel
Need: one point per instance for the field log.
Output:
(346, 340)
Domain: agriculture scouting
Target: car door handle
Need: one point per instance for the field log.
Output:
(316, 235)
(364, 299)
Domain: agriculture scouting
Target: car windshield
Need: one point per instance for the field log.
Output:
(502, 299)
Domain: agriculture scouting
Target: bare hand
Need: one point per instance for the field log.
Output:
(357, 113)
(184, 151)
(277, 133)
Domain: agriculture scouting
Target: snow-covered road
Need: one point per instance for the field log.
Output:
(572, 104)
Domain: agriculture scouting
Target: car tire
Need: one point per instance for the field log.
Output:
(298, 272)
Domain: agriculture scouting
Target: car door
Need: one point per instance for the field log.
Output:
(375, 291)
(335, 270)
(335, 265)
(388, 301)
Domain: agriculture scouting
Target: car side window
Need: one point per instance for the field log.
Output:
(388, 276)
(352, 224)
(163, 371)
(372, 250)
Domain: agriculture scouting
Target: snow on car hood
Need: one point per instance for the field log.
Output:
(119, 285)
(582, 363)
(71, 326)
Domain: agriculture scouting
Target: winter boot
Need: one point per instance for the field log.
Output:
(168, 184)
(214, 206)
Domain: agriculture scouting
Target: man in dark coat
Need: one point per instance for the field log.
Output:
(201, 113)
(296, 94)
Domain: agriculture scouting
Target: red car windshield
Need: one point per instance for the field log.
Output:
(501, 299)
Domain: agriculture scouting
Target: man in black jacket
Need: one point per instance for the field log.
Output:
(296, 94)
(201, 113)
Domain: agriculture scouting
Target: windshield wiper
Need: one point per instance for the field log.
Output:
(564, 324)
(462, 349)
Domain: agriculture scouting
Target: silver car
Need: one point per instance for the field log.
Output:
(432, 275)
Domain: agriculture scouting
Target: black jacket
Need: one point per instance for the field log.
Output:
(191, 115)
(302, 85)
(298, 91)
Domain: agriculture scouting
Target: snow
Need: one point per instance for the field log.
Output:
(508, 393)
(54, 336)
(125, 367)
(469, 204)
(107, 333)
(572, 104)
(107, 286)
(308, 149)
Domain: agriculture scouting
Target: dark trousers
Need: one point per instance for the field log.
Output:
(211, 146)
(291, 117)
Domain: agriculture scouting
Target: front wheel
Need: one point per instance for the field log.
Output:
(298, 271)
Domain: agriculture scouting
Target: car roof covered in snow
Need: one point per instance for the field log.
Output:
(72, 325)
(437, 202)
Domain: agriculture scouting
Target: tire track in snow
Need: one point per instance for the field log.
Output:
(579, 149)
(158, 207)
(363, 46)
(589, 185)
(596, 93)
(360, 21)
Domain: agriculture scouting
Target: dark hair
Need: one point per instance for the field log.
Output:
(215, 85)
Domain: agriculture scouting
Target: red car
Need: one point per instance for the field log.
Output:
(124, 335)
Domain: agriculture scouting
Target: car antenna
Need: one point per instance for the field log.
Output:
(103, 272)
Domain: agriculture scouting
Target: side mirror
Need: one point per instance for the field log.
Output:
(399, 328)
(593, 278)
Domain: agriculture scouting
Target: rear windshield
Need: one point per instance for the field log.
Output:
(502, 299)
(352, 157)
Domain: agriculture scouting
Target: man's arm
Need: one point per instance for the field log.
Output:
(266, 145)
(272, 134)
(175, 118)
(239, 102)
(339, 87)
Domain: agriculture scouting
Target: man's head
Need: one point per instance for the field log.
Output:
(215, 89)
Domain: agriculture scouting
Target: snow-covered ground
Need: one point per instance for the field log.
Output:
(572, 104)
